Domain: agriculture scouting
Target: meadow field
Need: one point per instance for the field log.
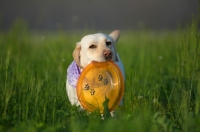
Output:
(162, 89)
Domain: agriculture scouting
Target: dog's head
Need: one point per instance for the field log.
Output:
(96, 47)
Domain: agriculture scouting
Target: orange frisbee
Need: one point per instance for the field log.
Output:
(100, 83)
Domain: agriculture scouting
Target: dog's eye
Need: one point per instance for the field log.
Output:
(92, 46)
(108, 43)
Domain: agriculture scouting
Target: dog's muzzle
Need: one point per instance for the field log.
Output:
(107, 54)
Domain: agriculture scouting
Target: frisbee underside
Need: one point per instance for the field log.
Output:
(100, 86)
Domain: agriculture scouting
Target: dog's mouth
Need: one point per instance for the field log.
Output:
(108, 58)
(103, 59)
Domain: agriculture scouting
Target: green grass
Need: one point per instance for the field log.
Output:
(162, 91)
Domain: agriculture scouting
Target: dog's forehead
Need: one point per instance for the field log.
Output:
(96, 38)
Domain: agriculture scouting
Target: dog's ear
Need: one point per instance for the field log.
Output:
(76, 54)
(115, 35)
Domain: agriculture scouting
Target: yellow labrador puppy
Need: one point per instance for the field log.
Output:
(94, 47)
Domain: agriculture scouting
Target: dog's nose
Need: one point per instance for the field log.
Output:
(107, 54)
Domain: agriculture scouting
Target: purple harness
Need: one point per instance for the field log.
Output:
(73, 73)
